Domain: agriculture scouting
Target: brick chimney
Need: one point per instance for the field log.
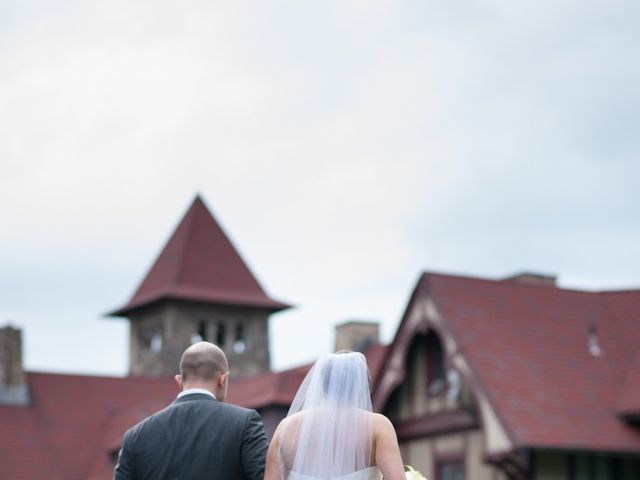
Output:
(13, 382)
(356, 335)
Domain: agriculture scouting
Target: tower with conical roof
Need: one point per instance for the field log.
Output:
(199, 288)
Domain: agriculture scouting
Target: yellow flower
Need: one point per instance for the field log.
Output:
(412, 474)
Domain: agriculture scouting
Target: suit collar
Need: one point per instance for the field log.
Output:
(191, 391)
(194, 396)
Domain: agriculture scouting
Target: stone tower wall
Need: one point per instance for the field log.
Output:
(160, 333)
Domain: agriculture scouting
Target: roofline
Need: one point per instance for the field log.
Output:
(276, 306)
(526, 285)
(622, 290)
(165, 293)
(97, 376)
(575, 449)
(387, 354)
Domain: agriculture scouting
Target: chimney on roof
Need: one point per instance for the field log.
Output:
(356, 335)
(13, 384)
(532, 278)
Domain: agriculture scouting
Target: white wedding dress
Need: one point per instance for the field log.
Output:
(328, 433)
(371, 473)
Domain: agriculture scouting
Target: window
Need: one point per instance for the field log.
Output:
(450, 470)
(239, 345)
(221, 334)
(150, 339)
(436, 378)
(584, 466)
(201, 332)
(155, 344)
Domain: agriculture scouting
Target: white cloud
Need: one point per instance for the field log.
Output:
(345, 146)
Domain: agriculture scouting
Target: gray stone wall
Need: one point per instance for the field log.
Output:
(13, 382)
(160, 333)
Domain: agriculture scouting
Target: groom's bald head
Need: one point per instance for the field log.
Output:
(203, 362)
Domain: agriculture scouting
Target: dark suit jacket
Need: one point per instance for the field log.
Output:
(196, 437)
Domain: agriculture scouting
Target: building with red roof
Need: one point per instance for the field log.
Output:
(515, 378)
(72, 426)
(199, 288)
(485, 379)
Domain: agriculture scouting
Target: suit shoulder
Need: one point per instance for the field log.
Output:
(236, 410)
(145, 421)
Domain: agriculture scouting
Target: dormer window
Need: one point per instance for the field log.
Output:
(593, 343)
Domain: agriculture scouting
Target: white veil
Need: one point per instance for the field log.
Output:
(328, 431)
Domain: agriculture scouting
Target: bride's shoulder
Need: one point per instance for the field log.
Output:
(288, 422)
(380, 418)
(381, 424)
(292, 419)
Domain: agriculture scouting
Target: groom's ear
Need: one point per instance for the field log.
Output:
(178, 379)
(223, 379)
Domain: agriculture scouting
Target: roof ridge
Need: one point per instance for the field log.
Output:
(432, 273)
(621, 290)
(98, 376)
(189, 227)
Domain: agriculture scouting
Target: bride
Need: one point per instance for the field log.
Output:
(330, 432)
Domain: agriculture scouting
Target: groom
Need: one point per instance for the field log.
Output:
(197, 436)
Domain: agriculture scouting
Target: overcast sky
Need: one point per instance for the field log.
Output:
(345, 146)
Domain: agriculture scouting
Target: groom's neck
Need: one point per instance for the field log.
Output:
(205, 386)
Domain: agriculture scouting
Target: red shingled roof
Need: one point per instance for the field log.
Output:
(528, 348)
(629, 398)
(625, 309)
(199, 263)
(76, 422)
(279, 388)
(64, 433)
